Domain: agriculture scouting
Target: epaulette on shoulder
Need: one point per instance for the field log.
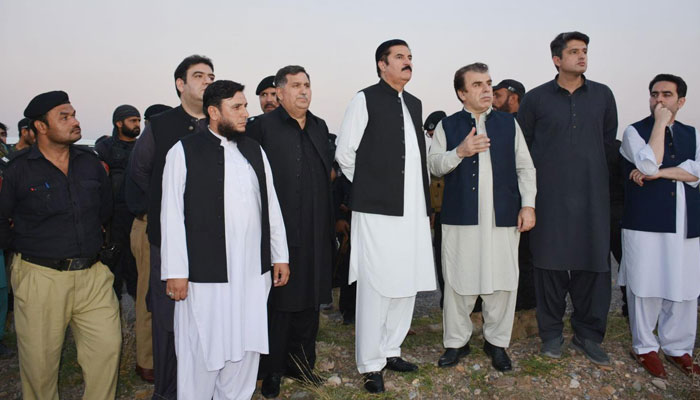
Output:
(86, 149)
(15, 155)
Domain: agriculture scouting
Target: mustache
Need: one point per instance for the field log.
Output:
(408, 67)
(76, 130)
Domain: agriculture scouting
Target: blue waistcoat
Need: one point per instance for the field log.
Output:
(652, 207)
(460, 203)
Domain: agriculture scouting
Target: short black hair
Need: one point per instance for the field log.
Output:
(181, 70)
(218, 91)
(281, 76)
(559, 43)
(459, 75)
(383, 51)
(3, 127)
(681, 86)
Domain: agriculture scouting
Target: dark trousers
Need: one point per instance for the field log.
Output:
(590, 294)
(292, 337)
(346, 302)
(124, 268)
(437, 247)
(162, 310)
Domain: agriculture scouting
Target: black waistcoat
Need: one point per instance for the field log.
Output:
(652, 207)
(204, 206)
(168, 128)
(460, 203)
(378, 180)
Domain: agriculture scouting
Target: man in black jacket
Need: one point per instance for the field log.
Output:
(296, 143)
(192, 77)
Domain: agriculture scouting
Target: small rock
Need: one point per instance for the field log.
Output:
(435, 328)
(390, 385)
(596, 374)
(609, 390)
(335, 381)
(637, 386)
(459, 368)
(574, 384)
(477, 392)
(326, 365)
(416, 382)
(618, 362)
(301, 396)
(412, 395)
(627, 375)
(346, 379)
(659, 384)
(476, 367)
(349, 385)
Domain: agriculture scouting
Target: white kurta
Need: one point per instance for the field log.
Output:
(228, 319)
(395, 253)
(654, 264)
(483, 258)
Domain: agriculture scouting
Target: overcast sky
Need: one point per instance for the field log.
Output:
(109, 53)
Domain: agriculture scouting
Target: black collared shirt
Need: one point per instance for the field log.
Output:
(54, 215)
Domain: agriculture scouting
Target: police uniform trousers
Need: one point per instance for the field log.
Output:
(498, 310)
(590, 294)
(46, 302)
(677, 323)
(162, 308)
(140, 248)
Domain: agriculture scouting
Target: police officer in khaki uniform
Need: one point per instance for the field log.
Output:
(58, 197)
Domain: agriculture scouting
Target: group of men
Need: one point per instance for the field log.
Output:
(237, 254)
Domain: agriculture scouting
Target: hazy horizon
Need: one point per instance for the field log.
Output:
(107, 54)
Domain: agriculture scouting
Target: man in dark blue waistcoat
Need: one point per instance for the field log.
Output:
(489, 199)
(660, 230)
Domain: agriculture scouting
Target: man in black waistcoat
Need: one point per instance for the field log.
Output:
(224, 234)
(296, 143)
(115, 151)
(192, 77)
(382, 150)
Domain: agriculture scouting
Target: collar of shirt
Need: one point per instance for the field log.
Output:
(223, 141)
(35, 153)
(386, 86)
(471, 115)
(557, 88)
(284, 116)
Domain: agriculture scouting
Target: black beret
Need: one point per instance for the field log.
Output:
(512, 85)
(125, 111)
(386, 45)
(155, 109)
(23, 124)
(433, 119)
(43, 103)
(267, 82)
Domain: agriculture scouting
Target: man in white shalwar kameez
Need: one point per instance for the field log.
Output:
(489, 199)
(382, 150)
(218, 270)
(661, 229)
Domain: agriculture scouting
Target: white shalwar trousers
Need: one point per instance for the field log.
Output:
(235, 381)
(381, 325)
(498, 310)
(677, 322)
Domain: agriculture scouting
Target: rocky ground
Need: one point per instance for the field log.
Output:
(533, 377)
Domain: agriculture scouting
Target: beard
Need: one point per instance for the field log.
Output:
(228, 130)
(132, 133)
